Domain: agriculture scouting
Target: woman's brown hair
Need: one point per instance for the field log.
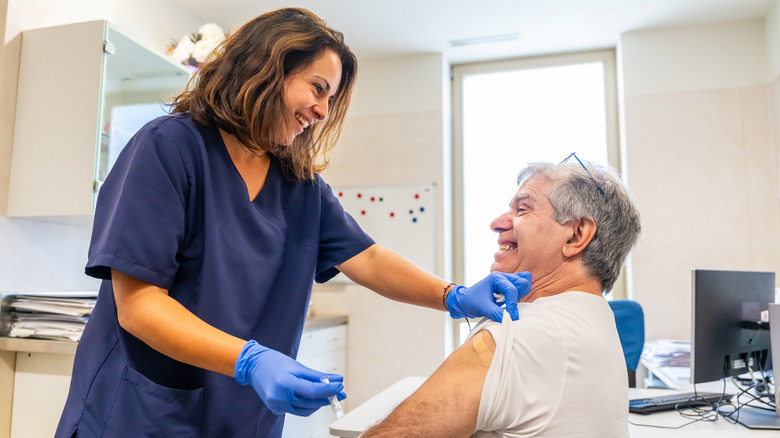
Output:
(241, 89)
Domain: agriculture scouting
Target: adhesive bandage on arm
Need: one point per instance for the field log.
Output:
(483, 351)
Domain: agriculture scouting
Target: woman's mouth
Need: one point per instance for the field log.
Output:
(303, 121)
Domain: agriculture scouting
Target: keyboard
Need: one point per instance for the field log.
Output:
(674, 401)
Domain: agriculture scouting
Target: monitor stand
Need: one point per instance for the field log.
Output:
(757, 418)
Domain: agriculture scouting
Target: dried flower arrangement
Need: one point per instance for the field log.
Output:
(191, 50)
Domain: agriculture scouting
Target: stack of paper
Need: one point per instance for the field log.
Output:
(668, 360)
(49, 317)
(668, 352)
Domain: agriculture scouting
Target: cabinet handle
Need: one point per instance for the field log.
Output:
(109, 47)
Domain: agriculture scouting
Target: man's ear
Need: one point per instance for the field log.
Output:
(582, 231)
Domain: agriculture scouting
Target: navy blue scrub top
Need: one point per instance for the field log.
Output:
(175, 212)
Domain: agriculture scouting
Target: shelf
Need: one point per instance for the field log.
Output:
(67, 347)
(37, 345)
(321, 321)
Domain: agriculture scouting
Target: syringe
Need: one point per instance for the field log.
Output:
(335, 404)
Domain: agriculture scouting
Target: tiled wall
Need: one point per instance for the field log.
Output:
(703, 169)
(701, 154)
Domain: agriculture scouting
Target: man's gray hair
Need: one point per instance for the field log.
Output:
(574, 195)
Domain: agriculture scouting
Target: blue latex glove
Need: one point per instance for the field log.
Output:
(485, 297)
(284, 385)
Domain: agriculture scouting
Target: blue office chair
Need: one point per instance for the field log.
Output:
(630, 322)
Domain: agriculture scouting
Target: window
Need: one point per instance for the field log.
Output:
(509, 113)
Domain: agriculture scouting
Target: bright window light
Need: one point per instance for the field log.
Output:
(516, 117)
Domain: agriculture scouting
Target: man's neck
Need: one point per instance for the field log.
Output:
(560, 281)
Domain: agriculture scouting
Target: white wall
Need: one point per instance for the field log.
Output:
(399, 86)
(701, 161)
(772, 38)
(153, 23)
(694, 58)
(772, 28)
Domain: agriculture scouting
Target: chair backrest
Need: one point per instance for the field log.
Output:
(630, 322)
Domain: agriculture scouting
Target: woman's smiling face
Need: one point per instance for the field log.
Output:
(307, 93)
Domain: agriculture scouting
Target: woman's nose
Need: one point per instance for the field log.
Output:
(501, 223)
(321, 109)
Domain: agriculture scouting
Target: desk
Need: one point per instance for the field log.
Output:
(709, 429)
(378, 407)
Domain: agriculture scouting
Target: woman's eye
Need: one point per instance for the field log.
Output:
(318, 88)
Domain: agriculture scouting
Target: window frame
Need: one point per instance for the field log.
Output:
(460, 71)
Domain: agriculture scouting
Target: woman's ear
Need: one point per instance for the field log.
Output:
(582, 231)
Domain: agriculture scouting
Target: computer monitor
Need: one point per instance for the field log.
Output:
(729, 337)
(722, 300)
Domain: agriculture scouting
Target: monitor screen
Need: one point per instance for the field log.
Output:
(721, 344)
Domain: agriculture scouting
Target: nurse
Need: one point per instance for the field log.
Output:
(208, 234)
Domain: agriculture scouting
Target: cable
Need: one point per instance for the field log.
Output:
(697, 413)
(756, 391)
(661, 427)
(764, 394)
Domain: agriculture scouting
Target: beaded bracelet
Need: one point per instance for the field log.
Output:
(447, 289)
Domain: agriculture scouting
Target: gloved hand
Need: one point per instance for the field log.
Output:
(283, 384)
(484, 298)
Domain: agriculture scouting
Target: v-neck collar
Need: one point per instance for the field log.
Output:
(270, 176)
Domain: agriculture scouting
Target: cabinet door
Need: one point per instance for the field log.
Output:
(57, 112)
(41, 386)
(83, 90)
(137, 86)
(323, 350)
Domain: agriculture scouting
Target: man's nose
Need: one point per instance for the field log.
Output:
(501, 223)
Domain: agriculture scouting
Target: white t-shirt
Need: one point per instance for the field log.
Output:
(558, 371)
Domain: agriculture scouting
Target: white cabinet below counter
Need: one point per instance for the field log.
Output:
(322, 349)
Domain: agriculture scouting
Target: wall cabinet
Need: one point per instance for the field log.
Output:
(83, 90)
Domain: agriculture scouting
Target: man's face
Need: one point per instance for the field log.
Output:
(529, 239)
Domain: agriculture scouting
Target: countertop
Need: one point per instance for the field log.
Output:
(659, 424)
(67, 347)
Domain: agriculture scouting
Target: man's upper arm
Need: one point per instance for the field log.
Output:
(447, 404)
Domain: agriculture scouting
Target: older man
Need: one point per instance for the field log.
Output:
(558, 371)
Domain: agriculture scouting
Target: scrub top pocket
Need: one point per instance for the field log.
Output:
(144, 408)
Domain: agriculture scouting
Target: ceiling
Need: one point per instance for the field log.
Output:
(375, 29)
